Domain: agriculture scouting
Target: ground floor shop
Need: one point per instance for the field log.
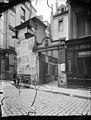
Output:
(8, 63)
(79, 62)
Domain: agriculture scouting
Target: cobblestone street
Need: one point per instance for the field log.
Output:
(46, 103)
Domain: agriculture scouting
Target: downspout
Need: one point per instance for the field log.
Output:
(51, 17)
(70, 19)
(51, 21)
(6, 27)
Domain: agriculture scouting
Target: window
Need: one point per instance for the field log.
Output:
(62, 10)
(89, 25)
(12, 20)
(80, 25)
(22, 14)
(4, 1)
(13, 9)
(60, 25)
(83, 25)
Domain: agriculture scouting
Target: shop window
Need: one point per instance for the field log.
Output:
(80, 65)
(87, 67)
(4, 1)
(89, 25)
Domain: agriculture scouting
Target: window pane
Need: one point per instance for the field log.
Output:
(60, 25)
(81, 26)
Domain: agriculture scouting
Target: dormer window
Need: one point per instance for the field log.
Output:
(62, 10)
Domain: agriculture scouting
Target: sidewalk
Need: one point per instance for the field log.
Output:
(51, 87)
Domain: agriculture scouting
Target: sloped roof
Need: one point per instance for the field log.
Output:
(59, 14)
(35, 19)
(6, 6)
(85, 3)
(25, 24)
(31, 22)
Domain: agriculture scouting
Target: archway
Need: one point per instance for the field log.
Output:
(48, 51)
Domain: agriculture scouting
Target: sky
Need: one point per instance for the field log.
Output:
(43, 9)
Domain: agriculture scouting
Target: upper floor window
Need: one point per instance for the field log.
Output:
(13, 9)
(12, 20)
(22, 13)
(62, 9)
(60, 25)
(83, 25)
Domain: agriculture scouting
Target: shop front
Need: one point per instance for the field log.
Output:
(8, 63)
(79, 62)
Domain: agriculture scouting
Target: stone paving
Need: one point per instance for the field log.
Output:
(46, 103)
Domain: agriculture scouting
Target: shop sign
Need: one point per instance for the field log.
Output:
(83, 46)
(85, 53)
(61, 56)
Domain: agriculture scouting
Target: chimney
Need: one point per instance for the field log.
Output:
(56, 6)
(51, 20)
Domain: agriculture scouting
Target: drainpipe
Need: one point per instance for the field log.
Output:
(6, 47)
(51, 17)
(70, 19)
(56, 4)
(51, 21)
(1, 99)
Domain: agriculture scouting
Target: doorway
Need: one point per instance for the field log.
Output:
(48, 70)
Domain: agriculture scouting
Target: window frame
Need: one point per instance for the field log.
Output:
(23, 12)
(60, 24)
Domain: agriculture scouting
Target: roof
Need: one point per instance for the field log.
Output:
(35, 19)
(84, 3)
(59, 14)
(6, 6)
(25, 24)
(61, 6)
(30, 22)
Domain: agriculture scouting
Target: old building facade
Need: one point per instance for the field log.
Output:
(79, 44)
(72, 26)
(10, 18)
(30, 35)
(60, 33)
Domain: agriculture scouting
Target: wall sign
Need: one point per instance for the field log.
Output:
(84, 53)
